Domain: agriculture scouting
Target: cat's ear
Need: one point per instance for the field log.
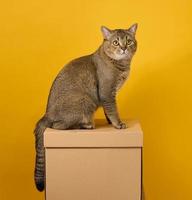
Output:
(106, 32)
(133, 29)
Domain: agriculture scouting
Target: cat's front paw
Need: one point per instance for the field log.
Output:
(121, 125)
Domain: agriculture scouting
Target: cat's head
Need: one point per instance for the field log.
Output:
(119, 44)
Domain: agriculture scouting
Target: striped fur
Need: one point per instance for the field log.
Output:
(82, 86)
(39, 175)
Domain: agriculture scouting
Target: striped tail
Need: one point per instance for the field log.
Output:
(39, 173)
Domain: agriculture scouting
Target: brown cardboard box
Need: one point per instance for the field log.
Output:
(99, 164)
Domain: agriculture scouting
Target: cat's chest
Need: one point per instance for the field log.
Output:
(120, 79)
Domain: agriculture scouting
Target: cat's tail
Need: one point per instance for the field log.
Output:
(39, 172)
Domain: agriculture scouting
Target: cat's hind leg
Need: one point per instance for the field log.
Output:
(88, 125)
(61, 125)
(86, 122)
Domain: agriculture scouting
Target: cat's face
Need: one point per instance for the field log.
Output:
(120, 44)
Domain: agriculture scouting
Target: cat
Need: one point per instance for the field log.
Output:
(82, 86)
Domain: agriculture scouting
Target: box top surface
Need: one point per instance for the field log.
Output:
(104, 135)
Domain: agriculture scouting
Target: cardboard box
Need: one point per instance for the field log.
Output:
(100, 164)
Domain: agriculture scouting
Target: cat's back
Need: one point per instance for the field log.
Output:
(77, 67)
(79, 75)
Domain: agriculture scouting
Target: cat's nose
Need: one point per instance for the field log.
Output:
(124, 48)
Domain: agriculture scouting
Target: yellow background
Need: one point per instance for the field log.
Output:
(38, 37)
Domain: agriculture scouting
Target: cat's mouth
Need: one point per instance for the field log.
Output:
(123, 55)
(123, 52)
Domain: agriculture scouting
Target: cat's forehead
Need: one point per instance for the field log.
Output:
(121, 34)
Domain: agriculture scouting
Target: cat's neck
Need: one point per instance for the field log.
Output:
(122, 65)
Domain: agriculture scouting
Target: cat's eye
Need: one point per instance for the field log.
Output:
(129, 42)
(115, 42)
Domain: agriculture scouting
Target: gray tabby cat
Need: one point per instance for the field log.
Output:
(83, 85)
